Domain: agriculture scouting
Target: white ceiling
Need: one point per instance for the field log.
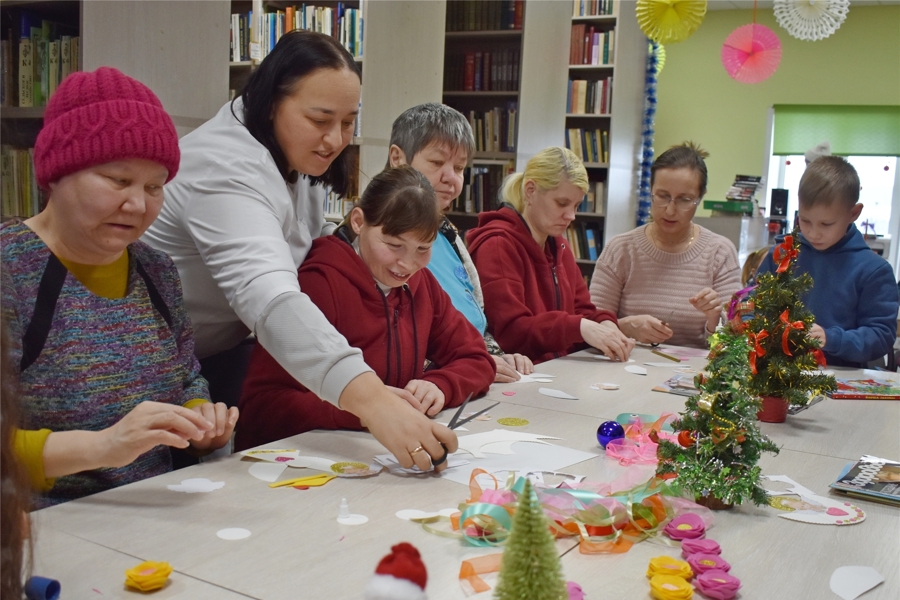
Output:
(768, 4)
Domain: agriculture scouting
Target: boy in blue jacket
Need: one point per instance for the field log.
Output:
(854, 293)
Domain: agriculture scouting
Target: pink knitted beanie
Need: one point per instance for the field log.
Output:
(99, 117)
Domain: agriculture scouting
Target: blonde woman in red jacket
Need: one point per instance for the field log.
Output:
(369, 281)
(535, 299)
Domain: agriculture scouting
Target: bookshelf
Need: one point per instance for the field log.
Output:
(482, 67)
(146, 40)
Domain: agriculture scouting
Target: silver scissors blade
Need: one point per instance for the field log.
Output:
(472, 416)
(453, 422)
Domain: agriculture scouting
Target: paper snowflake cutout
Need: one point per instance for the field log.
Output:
(811, 20)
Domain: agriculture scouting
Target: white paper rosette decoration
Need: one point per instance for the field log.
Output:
(811, 20)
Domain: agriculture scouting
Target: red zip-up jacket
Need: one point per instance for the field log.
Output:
(396, 333)
(534, 297)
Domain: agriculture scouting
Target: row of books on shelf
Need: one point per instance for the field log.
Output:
(591, 46)
(336, 207)
(585, 239)
(591, 8)
(589, 97)
(477, 15)
(20, 195)
(595, 199)
(480, 191)
(340, 22)
(35, 59)
(590, 145)
(744, 187)
(495, 130)
(482, 71)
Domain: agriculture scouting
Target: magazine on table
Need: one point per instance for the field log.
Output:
(871, 477)
(873, 385)
(681, 384)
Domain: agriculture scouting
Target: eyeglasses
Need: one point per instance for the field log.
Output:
(682, 203)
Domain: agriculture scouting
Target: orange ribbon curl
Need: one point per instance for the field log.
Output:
(788, 326)
(783, 254)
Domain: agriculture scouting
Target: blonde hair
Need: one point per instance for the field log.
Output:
(547, 169)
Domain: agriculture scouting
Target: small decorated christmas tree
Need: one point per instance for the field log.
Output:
(719, 442)
(530, 567)
(783, 356)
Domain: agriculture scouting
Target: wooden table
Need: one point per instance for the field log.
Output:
(298, 550)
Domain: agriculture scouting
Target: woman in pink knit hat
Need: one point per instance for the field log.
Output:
(100, 337)
(666, 281)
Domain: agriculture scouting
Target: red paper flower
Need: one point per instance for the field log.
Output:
(706, 546)
(717, 584)
(701, 563)
(686, 527)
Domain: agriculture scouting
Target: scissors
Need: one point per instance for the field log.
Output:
(455, 422)
(666, 323)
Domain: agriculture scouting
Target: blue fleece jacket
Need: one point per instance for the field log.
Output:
(448, 269)
(853, 298)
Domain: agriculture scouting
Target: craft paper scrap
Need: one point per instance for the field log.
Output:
(534, 377)
(852, 582)
(556, 394)
(526, 457)
(193, 486)
(662, 365)
(636, 370)
(411, 513)
(683, 352)
(605, 386)
(267, 471)
(292, 458)
(233, 533)
(801, 504)
(498, 441)
(608, 359)
(447, 424)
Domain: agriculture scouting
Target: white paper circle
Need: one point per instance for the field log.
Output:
(267, 471)
(353, 520)
(233, 533)
(411, 513)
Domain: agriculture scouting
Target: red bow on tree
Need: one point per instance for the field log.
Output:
(756, 349)
(783, 254)
(788, 326)
(820, 357)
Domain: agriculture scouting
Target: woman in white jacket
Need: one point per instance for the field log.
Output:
(241, 215)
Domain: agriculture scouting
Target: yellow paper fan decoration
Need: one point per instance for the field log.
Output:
(670, 21)
(660, 59)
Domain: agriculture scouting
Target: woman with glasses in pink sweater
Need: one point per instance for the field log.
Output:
(667, 281)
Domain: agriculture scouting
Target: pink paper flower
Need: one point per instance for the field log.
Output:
(701, 563)
(706, 546)
(717, 585)
(575, 591)
(686, 527)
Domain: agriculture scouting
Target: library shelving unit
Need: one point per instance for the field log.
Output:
(399, 51)
(146, 40)
(482, 66)
(592, 58)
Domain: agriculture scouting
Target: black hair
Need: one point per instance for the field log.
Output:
(296, 55)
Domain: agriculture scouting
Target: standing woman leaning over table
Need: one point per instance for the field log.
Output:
(241, 216)
(101, 342)
(535, 298)
(666, 281)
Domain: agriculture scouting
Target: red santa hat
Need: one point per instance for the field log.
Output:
(400, 575)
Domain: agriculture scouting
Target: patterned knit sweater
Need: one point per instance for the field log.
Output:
(102, 356)
(634, 277)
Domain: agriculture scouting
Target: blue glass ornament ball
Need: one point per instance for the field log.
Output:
(609, 431)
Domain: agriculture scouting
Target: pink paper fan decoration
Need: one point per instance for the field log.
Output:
(751, 53)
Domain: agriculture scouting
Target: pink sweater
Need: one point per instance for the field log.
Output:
(634, 277)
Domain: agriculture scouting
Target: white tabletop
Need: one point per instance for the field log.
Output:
(297, 548)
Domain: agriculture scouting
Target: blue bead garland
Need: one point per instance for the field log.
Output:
(647, 133)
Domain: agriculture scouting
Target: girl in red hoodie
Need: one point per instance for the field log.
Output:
(534, 296)
(370, 282)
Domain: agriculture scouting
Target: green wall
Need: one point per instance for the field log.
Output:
(858, 64)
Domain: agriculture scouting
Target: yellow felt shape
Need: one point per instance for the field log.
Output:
(666, 565)
(669, 587)
(148, 576)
